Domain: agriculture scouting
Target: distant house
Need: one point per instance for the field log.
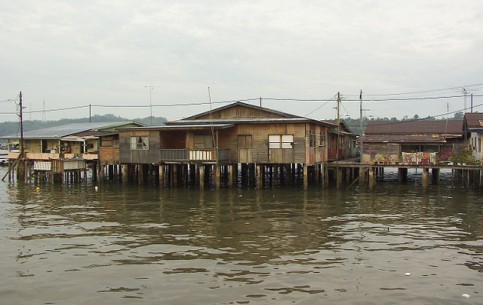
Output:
(473, 131)
(347, 147)
(85, 141)
(411, 141)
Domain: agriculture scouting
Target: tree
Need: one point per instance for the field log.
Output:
(458, 115)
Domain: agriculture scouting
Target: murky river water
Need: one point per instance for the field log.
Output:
(143, 245)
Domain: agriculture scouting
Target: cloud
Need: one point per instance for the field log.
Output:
(106, 52)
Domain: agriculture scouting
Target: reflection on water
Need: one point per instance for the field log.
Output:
(142, 245)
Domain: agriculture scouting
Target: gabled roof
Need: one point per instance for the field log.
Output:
(61, 131)
(443, 127)
(474, 121)
(343, 125)
(240, 112)
(413, 131)
(260, 111)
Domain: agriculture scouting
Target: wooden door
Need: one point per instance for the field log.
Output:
(245, 149)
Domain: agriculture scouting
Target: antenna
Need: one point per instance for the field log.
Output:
(150, 100)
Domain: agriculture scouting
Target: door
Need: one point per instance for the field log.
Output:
(44, 146)
(245, 149)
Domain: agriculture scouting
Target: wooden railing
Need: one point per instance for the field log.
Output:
(185, 155)
(52, 156)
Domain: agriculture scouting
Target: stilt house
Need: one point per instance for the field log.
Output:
(473, 131)
(238, 133)
(69, 147)
(411, 142)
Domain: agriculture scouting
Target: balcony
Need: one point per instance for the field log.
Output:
(52, 156)
(194, 155)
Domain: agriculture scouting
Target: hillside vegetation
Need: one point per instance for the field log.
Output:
(13, 128)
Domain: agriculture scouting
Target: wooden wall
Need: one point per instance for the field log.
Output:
(241, 112)
(148, 156)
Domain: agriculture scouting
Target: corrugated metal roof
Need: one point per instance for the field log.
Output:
(58, 132)
(415, 127)
(182, 127)
(243, 120)
(241, 104)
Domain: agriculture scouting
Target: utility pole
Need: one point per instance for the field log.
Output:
(471, 102)
(90, 113)
(21, 125)
(338, 128)
(361, 125)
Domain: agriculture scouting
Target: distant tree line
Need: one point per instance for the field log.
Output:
(12, 128)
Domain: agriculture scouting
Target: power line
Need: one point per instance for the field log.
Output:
(58, 109)
(429, 91)
(428, 98)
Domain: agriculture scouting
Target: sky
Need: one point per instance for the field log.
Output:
(178, 58)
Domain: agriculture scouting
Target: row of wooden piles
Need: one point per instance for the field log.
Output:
(243, 175)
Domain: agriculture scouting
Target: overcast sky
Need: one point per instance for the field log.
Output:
(64, 54)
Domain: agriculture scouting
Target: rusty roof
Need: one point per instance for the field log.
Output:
(474, 120)
(441, 127)
(410, 139)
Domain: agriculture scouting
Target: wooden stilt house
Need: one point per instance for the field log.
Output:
(236, 134)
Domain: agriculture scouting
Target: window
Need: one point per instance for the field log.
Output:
(244, 141)
(312, 138)
(203, 142)
(322, 139)
(280, 141)
(139, 143)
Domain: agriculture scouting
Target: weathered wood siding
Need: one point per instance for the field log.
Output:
(260, 152)
(33, 146)
(240, 112)
(148, 156)
(173, 140)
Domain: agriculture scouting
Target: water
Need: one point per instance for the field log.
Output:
(142, 245)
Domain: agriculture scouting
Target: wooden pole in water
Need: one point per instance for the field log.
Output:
(425, 178)
(306, 176)
(217, 177)
(372, 180)
(202, 176)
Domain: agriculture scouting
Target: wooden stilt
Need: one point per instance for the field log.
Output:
(372, 179)
(425, 178)
(306, 176)
(202, 176)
